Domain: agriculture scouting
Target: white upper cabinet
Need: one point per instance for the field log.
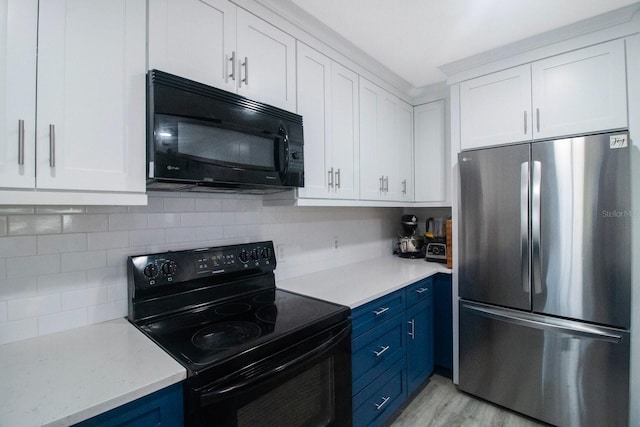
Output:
(431, 172)
(386, 141)
(577, 92)
(328, 103)
(221, 45)
(91, 92)
(18, 29)
(581, 91)
(194, 39)
(496, 109)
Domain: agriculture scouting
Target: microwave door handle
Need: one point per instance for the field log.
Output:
(282, 151)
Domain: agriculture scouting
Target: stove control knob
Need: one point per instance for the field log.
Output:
(168, 268)
(244, 256)
(254, 254)
(265, 253)
(150, 271)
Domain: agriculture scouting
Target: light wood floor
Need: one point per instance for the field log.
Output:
(440, 404)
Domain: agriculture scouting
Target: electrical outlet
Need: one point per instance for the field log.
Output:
(335, 242)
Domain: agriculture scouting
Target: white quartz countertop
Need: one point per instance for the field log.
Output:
(64, 378)
(357, 284)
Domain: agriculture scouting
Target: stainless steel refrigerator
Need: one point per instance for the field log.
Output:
(545, 278)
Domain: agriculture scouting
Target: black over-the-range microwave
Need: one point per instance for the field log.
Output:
(203, 138)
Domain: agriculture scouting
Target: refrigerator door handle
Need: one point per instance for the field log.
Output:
(535, 226)
(536, 322)
(524, 225)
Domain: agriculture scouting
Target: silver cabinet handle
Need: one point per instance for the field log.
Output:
(20, 142)
(381, 404)
(245, 64)
(525, 122)
(421, 290)
(404, 187)
(330, 178)
(386, 184)
(538, 119)
(380, 311)
(524, 225)
(412, 332)
(383, 348)
(338, 178)
(535, 226)
(52, 146)
(233, 65)
(381, 179)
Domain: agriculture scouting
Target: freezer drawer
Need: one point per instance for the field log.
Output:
(562, 372)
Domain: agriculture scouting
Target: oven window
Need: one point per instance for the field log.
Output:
(305, 400)
(224, 145)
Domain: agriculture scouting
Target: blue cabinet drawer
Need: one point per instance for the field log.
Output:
(374, 404)
(376, 350)
(377, 312)
(419, 291)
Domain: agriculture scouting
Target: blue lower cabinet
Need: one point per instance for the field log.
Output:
(162, 408)
(379, 400)
(443, 323)
(419, 343)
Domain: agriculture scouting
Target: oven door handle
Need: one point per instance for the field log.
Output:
(222, 391)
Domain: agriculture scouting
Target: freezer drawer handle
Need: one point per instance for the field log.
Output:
(381, 404)
(380, 311)
(568, 327)
(381, 352)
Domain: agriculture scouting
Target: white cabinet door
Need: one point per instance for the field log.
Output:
(267, 62)
(195, 39)
(91, 95)
(581, 91)
(345, 136)
(431, 170)
(496, 109)
(402, 188)
(314, 104)
(18, 40)
(370, 126)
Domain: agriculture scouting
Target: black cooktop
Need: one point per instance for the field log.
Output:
(255, 323)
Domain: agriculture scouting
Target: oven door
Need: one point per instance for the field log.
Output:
(308, 384)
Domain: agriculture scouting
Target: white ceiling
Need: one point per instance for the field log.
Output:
(413, 37)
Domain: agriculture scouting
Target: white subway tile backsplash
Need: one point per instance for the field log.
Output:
(62, 321)
(164, 220)
(33, 307)
(60, 243)
(34, 224)
(62, 282)
(18, 287)
(82, 261)
(129, 221)
(186, 204)
(85, 223)
(33, 265)
(107, 240)
(63, 267)
(84, 298)
(18, 330)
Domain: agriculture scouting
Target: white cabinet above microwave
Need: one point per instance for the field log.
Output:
(219, 44)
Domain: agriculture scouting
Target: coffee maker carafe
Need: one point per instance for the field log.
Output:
(409, 245)
(436, 240)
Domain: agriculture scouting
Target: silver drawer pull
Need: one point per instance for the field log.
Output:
(421, 290)
(381, 404)
(380, 311)
(383, 349)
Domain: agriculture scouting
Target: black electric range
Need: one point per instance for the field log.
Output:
(218, 312)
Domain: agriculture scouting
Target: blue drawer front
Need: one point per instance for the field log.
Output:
(377, 312)
(419, 291)
(375, 351)
(375, 404)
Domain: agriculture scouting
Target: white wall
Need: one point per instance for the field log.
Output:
(64, 267)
